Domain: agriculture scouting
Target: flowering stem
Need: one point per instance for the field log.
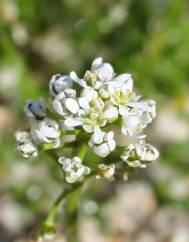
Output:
(71, 192)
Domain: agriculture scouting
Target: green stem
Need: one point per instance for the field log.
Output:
(52, 154)
(71, 206)
(48, 226)
(83, 151)
(71, 214)
(68, 189)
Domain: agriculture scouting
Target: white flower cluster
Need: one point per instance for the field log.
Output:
(43, 130)
(92, 104)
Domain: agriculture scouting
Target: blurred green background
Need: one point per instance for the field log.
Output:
(149, 39)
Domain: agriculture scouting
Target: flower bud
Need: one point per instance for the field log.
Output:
(106, 171)
(59, 83)
(25, 145)
(35, 109)
(104, 94)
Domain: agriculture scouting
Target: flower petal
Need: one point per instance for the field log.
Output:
(123, 78)
(89, 128)
(111, 114)
(105, 72)
(76, 79)
(98, 135)
(101, 150)
(69, 92)
(72, 105)
(123, 110)
(58, 107)
(49, 132)
(97, 62)
(83, 102)
(73, 122)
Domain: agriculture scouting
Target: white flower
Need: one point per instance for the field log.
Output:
(46, 131)
(25, 144)
(35, 109)
(92, 112)
(121, 93)
(138, 116)
(139, 154)
(65, 103)
(104, 71)
(102, 143)
(92, 80)
(89, 115)
(146, 107)
(118, 88)
(100, 73)
(95, 113)
(58, 83)
(73, 168)
(106, 171)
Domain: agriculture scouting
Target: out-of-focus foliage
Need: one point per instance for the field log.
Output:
(149, 39)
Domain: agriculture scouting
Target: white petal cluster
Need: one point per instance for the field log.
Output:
(25, 145)
(102, 143)
(73, 168)
(139, 154)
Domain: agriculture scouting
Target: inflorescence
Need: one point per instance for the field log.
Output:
(90, 108)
